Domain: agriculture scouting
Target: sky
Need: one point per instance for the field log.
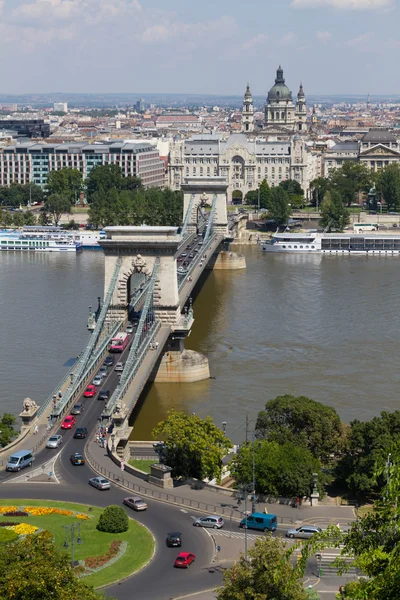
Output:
(199, 46)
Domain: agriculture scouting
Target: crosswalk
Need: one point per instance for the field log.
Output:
(233, 534)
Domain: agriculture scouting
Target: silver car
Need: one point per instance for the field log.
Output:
(103, 371)
(119, 366)
(100, 483)
(135, 502)
(98, 380)
(303, 532)
(209, 521)
(54, 441)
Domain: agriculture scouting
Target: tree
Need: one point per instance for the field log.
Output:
(18, 219)
(251, 198)
(7, 430)
(193, 447)
(32, 568)
(319, 187)
(280, 469)
(303, 422)
(373, 541)
(113, 519)
(350, 179)
(105, 177)
(56, 205)
(334, 215)
(268, 575)
(265, 194)
(295, 192)
(65, 182)
(369, 443)
(389, 184)
(29, 218)
(279, 209)
(6, 218)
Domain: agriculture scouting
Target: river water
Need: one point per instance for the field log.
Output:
(325, 327)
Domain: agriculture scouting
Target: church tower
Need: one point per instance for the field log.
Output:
(280, 108)
(301, 111)
(248, 112)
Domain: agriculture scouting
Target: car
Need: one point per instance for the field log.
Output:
(201, 243)
(180, 259)
(90, 391)
(174, 539)
(303, 532)
(184, 560)
(77, 409)
(394, 213)
(183, 254)
(209, 521)
(191, 255)
(68, 422)
(119, 366)
(103, 372)
(109, 361)
(80, 433)
(100, 483)
(135, 502)
(104, 395)
(77, 459)
(98, 380)
(54, 441)
(196, 250)
(129, 329)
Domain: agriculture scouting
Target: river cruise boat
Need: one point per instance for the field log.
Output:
(38, 239)
(334, 243)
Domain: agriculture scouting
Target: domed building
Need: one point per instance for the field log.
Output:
(281, 113)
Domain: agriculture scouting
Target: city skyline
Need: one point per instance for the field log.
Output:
(129, 46)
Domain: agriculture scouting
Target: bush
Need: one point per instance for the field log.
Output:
(16, 513)
(7, 536)
(8, 523)
(113, 519)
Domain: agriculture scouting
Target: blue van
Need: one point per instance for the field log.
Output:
(20, 460)
(262, 521)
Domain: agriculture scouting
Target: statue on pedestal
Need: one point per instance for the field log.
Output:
(30, 405)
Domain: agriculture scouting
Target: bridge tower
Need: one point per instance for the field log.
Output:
(201, 192)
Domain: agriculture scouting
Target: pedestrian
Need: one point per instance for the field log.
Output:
(35, 430)
(122, 465)
(297, 502)
(60, 394)
(265, 510)
(157, 344)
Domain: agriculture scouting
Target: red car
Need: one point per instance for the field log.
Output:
(184, 560)
(68, 422)
(90, 391)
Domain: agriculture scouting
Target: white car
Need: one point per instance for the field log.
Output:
(119, 366)
(100, 483)
(129, 329)
(98, 380)
(54, 441)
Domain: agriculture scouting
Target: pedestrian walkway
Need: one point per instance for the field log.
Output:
(206, 500)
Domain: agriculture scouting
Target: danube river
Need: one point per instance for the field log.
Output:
(324, 327)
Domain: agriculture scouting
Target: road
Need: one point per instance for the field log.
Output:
(159, 579)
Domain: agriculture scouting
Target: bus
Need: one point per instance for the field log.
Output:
(119, 343)
(361, 227)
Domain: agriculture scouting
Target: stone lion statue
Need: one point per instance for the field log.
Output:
(29, 405)
(120, 408)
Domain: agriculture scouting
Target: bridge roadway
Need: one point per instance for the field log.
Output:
(159, 580)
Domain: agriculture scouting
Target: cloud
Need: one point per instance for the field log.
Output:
(66, 10)
(257, 40)
(323, 36)
(360, 40)
(288, 39)
(170, 30)
(344, 4)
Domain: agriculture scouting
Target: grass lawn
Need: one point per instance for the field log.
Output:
(94, 543)
(142, 465)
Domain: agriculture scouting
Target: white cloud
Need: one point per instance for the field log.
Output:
(288, 39)
(360, 40)
(63, 10)
(170, 30)
(323, 36)
(344, 4)
(257, 40)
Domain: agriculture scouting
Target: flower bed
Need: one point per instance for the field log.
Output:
(16, 513)
(8, 524)
(96, 563)
(40, 511)
(23, 529)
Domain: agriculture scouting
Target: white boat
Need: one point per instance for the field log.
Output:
(89, 239)
(334, 243)
(38, 239)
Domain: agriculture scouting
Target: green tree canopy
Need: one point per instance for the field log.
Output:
(369, 443)
(268, 575)
(279, 209)
(303, 422)
(33, 569)
(57, 205)
(280, 469)
(389, 184)
(319, 187)
(334, 215)
(351, 178)
(251, 198)
(18, 194)
(193, 447)
(265, 194)
(105, 177)
(7, 429)
(65, 182)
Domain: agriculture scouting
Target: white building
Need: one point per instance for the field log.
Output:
(60, 107)
(244, 163)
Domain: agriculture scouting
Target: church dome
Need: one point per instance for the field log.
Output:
(279, 91)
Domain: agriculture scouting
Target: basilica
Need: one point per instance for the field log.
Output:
(274, 149)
